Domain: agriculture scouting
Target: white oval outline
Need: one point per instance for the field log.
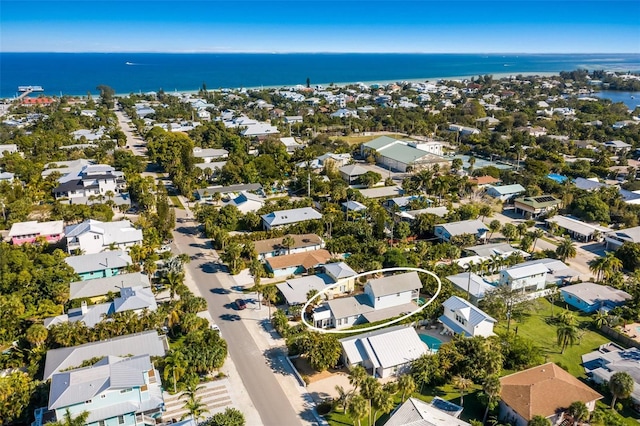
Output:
(373, 327)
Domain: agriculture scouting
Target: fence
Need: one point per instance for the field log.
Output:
(620, 337)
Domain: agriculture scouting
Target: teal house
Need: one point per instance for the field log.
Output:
(114, 391)
(99, 265)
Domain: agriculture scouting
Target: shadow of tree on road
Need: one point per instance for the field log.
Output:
(275, 360)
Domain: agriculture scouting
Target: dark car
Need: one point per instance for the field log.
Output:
(241, 304)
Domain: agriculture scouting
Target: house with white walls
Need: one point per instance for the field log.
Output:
(94, 236)
(462, 317)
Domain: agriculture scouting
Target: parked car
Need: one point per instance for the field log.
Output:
(240, 304)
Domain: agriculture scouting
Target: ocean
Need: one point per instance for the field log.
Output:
(80, 73)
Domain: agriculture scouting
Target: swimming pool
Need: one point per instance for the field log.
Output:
(558, 178)
(432, 343)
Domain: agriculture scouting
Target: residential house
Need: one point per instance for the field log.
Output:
(337, 160)
(351, 172)
(383, 298)
(282, 218)
(484, 181)
(384, 353)
(411, 215)
(615, 239)
(295, 290)
(462, 317)
(405, 203)
(505, 192)
(546, 390)
(8, 149)
(96, 290)
(382, 192)
(290, 144)
(301, 243)
(341, 272)
(94, 236)
(463, 130)
(6, 176)
(136, 299)
(298, 263)
(591, 297)
(535, 206)
(114, 391)
(259, 130)
(28, 232)
(146, 342)
(354, 208)
(588, 184)
(472, 284)
(558, 273)
(207, 194)
(474, 227)
(96, 181)
(401, 155)
(293, 119)
(617, 146)
(210, 155)
(419, 413)
(246, 202)
(99, 265)
(527, 277)
(579, 230)
(609, 359)
(487, 251)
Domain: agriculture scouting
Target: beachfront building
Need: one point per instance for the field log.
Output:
(114, 391)
(282, 218)
(99, 265)
(533, 207)
(383, 298)
(400, 155)
(546, 390)
(29, 232)
(505, 192)
(384, 353)
(94, 236)
(462, 317)
(274, 246)
(474, 227)
(591, 297)
(615, 239)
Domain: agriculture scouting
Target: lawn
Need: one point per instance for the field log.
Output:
(176, 202)
(354, 140)
(536, 327)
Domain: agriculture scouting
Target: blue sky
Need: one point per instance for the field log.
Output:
(452, 26)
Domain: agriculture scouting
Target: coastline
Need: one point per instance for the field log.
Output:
(496, 76)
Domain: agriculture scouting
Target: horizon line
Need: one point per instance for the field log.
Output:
(322, 52)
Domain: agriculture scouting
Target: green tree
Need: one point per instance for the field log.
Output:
(229, 417)
(270, 293)
(288, 241)
(629, 254)
(193, 403)
(462, 384)
(175, 366)
(69, 420)
(509, 231)
(566, 249)
(621, 385)
(357, 408)
(566, 335)
(356, 375)
(539, 420)
(406, 385)
(15, 392)
(579, 411)
(174, 280)
(37, 334)
(342, 399)
(382, 402)
(491, 389)
(368, 390)
(494, 226)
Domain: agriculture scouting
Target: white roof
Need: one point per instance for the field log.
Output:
(508, 189)
(285, 217)
(295, 290)
(414, 412)
(98, 261)
(101, 286)
(259, 129)
(592, 293)
(385, 348)
(209, 152)
(473, 227)
(120, 232)
(523, 271)
(395, 284)
(36, 228)
(578, 226)
(477, 286)
(472, 314)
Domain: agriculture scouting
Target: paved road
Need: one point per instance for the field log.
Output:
(257, 377)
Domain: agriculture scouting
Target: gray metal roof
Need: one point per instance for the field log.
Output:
(628, 234)
(285, 217)
(472, 314)
(395, 284)
(477, 286)
(227, 189)
(592, 293)
(577, 226)
(82, 384)
(348, 306)
(414, 412)
(295, 290)
(523, 271)
(99, 261)
(352, 170)
(380, 142)
(120, 232)
(102, 286)
(147, 342)
(487, 250)
(558, 270)
(473, 227)
(135, 298)
(339, 270)
(508, 189)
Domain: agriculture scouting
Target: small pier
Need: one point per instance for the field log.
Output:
(26, 90)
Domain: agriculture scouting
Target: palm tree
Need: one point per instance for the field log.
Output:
(491, 389)
(382, 401)
(288, 241)
(621, 385)
(193, 403)
(539, 420)
(462, 384)
(406, 385)
(79, 420)
(357, 408)
(536, 234)
(566, 335)
(175, 366)
(368, 389)
(600, 318)
(357, 374)
(566, 249)
(509, 231)
(174, 280)
(37, 334)
(579, 411)
(597, 266)
(269, 293)
(343, 398)
(522, 229)
(612, 265)
(494, 226)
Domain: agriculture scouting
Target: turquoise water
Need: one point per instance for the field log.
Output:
(558, 178)
(77, 73)
(432, 342)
